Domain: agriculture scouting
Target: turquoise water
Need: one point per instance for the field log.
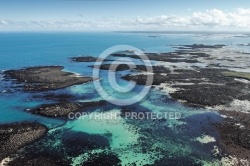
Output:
(165, 140)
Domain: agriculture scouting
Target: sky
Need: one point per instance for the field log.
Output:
(124, 15)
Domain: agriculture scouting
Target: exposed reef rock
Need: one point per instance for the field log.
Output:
(165, 57)
(84, 59)
(56, 97)
(199, 46)
(64, 108)
(45, 78)
(122, 67)
(37, 161)
(202, 87)
(235, 134)
(17, 135)
(108, 159)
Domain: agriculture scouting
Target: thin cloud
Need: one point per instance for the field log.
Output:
(239, 18)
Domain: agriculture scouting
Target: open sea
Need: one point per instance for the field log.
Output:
(168, 141)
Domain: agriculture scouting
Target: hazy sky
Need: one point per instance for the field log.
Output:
(75, 15)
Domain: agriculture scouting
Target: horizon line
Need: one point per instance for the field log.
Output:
(126, 31)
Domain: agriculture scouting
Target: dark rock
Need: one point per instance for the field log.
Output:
(77, 143)
(17, 135)
(107, 159)
(208, 88)
(198, 46)
(45, 78)
(58, 97)
(165, 57)
(84, 59)
(122, 67)
(63, 109)
(235, 134)
(177, 161)
(38, 161)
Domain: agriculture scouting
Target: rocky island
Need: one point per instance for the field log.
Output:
(122, 67)
(45, 78)
(84, 59)
(64, 108)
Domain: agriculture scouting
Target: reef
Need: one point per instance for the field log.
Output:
(201, 87)
(165, 57)
(234, 131)
(15, 136)
(45, 78)
(84, 59)
(64, 108)
(122, 67)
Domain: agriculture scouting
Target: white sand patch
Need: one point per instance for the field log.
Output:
(242, 80)
(242, 105)
(227, 161)
(240, 125)
(205, 139)
(216, 151)
(223, 116)
(210, 83)
(182, 83)
(143, 72)
(236, 105)
(5, 161)
(166, 88)
(78, 76)
(232, 161)
(171, 66)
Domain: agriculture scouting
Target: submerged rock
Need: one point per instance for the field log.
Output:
(107, 159)
(57, 97)
(76, 143)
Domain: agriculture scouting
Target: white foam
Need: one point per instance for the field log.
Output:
(205, 139)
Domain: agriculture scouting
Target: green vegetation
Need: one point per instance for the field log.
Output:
(237, 75)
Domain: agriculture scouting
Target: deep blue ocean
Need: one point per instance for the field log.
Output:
(175, 137)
